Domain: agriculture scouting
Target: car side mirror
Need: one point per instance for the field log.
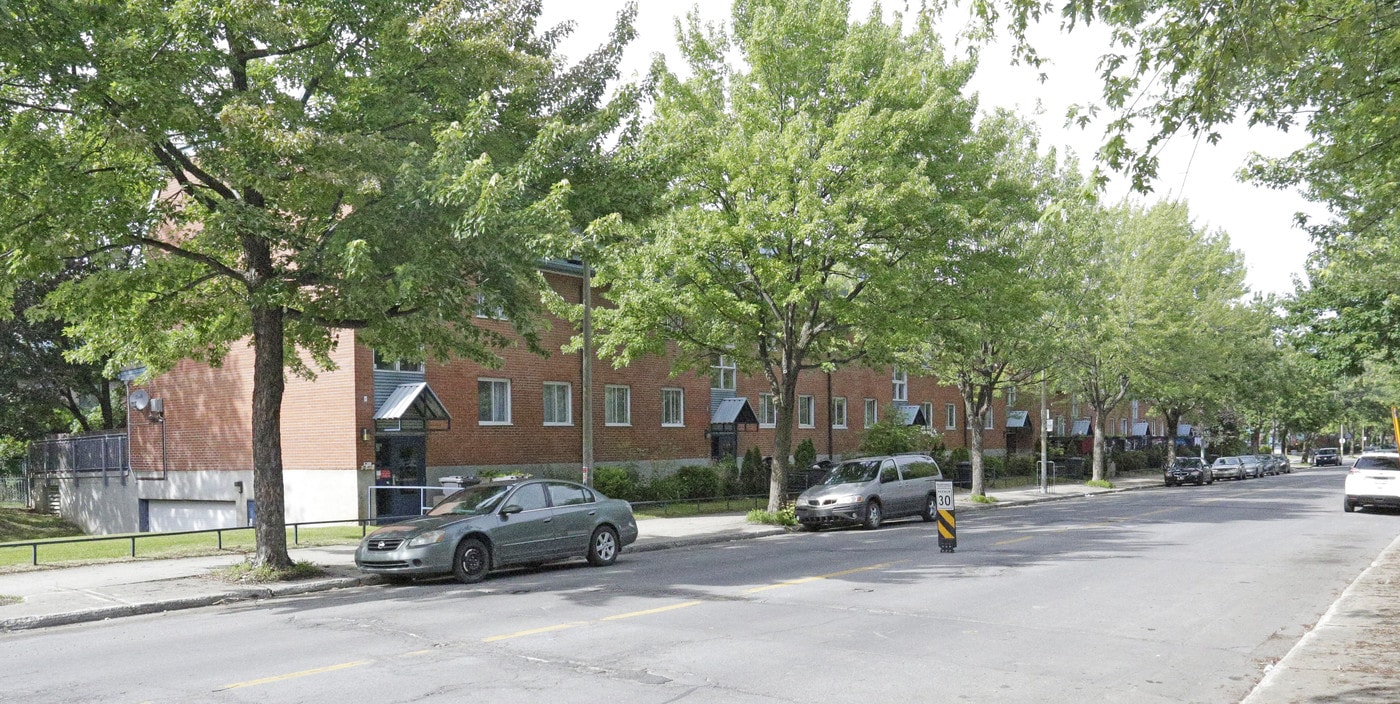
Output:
(511, 509)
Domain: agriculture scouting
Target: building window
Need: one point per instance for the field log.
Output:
(1074, 405)
(723, 373)
(872, 412)
(806, 412)
(383, 363)
(618, 405)
(493, 401)
(838, 412)
(1123, 427)
(1060, 425)
(901, 385)
(951, 413)
(1135, 411)
(673, 408)
(927, 408)
(991, 422)
(1011, 396)
(558, 403)
(767, 411)
(484, 310)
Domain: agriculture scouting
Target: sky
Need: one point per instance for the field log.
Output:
(1259, 221)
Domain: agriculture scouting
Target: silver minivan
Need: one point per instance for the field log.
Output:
(867, 490)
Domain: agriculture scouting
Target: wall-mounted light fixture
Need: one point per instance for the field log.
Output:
(364, 434)
(238, 486)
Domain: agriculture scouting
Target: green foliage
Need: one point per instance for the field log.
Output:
(784, 516)
(616, 482)
(1020, 466)
(805, 455)
(1130, 460)
(248, 573)
(982, 499)
(698, 482)
(1155, 456)
(891, 436)
(1100, 483)
(959, 454)
(754, 478)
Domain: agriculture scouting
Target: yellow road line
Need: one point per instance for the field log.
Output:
(648, 612)
(1015, 540)
(533, 631)
(295, 675)
(805, 580)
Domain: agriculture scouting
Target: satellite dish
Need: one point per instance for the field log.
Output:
(139, 399)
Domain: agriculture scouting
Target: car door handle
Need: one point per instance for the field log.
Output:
(593, 512)
(547, 520)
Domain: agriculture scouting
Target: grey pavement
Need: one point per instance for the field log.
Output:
(1349, 656)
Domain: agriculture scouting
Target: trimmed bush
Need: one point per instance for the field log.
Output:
(754, 479)
(805, 455)
(616, 482)
(697, 482)
(1020, 466)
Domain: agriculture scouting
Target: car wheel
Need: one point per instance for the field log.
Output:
(930, 513)
(471, 561)
(1348, 506)
(874, 515)
(603, 547)
(1200, 481)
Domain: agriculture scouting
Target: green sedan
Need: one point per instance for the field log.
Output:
(499, 524)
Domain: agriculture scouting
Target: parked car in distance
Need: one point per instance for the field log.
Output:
(1325, 456)
(1373, 480)
(1187, 470)
(1285, 465)
(1251, 467)
(867, 490)
(501, 523)
(1268, 465)
(1227, 468)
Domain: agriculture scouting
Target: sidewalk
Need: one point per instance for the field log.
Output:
(1348, 656)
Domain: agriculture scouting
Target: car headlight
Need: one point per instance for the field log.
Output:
(428, 538)
(850, 499)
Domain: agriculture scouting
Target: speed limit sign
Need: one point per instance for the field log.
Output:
(947, 522)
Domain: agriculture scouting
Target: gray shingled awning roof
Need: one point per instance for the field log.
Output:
(732, 411)
(1081, 427)
(1140, 429)
(1183, 430)
(911, 415)
(1018, 419)
(412, 407)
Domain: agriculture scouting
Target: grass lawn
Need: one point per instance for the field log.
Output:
(18, 525)
(680, 509)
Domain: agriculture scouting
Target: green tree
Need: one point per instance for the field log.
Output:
(275, 172)
(812, 194)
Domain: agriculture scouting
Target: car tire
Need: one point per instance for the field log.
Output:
(1348, 506)
(930, 513)
(1200, 480)
(471, 561)
(874, 515)
(603, 547)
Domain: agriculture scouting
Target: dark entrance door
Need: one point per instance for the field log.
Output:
(723, 444)
(405, 458)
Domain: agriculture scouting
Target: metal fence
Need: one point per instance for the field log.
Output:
(103, 453)
(14, 490)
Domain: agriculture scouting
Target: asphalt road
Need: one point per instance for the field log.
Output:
(1176, 595)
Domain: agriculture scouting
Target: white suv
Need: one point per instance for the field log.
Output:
(1374, 480)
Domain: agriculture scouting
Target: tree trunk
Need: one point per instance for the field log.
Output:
(269, 383)
(1173, 419)
(975, 417)
(1098, 456)
(104, 402)
(782, 441)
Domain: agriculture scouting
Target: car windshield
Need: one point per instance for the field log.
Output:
(853, 472)
(1378, 462)
(472, 501)
(1188, 463)
(1327, 451)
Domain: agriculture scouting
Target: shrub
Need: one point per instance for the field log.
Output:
(616, 482)
(891, 437)
(805, 455)
(697, 482)
(1130, 460)
(786, 516)
(1156, 456)
(754, 478)
(959, 454)
(1020, 466)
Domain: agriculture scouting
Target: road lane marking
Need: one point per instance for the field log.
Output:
(1015, 540)
(294, 675)
(648, 612)
(807, 580)
(533, 631)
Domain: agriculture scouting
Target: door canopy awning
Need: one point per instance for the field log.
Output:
(1018, 419)
(1141, 429)
(1081, 427)
(412, 408)
(910, 415)
(732, 413)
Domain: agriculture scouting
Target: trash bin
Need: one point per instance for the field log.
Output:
(963, 474)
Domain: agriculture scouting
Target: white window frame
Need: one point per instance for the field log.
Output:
(497, 313)
(610, 393)
(1010, 395)
(398, 365)
(767, 411)
(1123, 427)
(990, 419)
(1060, 428)
(568, 403)
(872, 412)
(494, 384)
(1135, 411)
(1074, 405)
(807, 405)
(838, 412)
(927, 408)
(900, 381)
(726, 372)
(678, 404)
(950, 414)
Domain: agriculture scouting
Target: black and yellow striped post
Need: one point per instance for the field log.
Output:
(947, 519)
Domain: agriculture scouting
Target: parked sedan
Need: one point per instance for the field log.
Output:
(498, 524)
(1187, 470)
(1327, 456)
(1227, 468)
(1251, 467)
(1374, 480)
